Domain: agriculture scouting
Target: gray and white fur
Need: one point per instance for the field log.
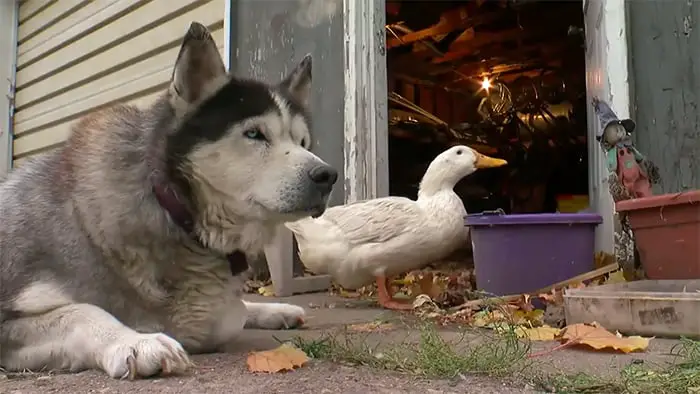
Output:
(94, 271)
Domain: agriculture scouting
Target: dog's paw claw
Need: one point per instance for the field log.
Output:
(143, 355)
(130, 367)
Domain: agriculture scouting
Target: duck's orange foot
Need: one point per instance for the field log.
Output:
(396, 305)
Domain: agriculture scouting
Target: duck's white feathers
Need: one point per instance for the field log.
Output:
(354, 243)
(379, 220)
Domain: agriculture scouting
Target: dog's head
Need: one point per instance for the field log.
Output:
(241, 147)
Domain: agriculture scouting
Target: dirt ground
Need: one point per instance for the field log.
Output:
(226, 372)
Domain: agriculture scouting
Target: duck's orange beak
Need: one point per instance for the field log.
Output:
(483, 161)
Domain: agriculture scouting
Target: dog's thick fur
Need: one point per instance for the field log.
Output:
(94, 270)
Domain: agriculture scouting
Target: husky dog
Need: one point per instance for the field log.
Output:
(121, 250)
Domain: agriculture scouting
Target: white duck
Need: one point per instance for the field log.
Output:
(381, 238)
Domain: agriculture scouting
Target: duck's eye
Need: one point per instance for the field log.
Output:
(459, 152)
(254, 134)
(303, 142)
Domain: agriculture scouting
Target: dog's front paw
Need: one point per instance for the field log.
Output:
(277, 316)
(137, 355)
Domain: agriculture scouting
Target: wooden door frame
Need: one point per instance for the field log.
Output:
(366, 126)
(607, 78)
(9, 14)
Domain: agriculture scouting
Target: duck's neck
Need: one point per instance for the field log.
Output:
(436, 181)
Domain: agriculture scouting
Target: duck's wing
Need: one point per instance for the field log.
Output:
(375, 221)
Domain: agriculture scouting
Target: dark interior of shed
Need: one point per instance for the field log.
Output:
(506, 77)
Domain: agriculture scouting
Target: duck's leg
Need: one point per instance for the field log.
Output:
(386, 296)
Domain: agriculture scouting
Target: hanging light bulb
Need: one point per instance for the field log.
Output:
(486, 84)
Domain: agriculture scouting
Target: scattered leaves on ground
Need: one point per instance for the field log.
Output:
(252, 286)
(284, 358)
(597, 337)
(439, 292)
(371, 327)
(508, 314)
(425, 307)
(542, 333)
(430, 285)
(267, 291)
(447, 284)
(348, 294)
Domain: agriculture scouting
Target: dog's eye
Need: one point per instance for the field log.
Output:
(303, 142)
(254, 134)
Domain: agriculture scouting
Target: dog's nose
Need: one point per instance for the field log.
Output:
(324, 177)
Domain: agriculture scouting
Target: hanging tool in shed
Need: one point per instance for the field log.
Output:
(631, 174)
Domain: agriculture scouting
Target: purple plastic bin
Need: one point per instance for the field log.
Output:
(516, 254)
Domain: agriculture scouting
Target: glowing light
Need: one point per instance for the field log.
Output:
(486, 83)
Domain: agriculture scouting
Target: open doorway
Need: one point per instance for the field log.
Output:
(507, 78)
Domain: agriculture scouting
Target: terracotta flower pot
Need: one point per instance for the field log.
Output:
(667, 232)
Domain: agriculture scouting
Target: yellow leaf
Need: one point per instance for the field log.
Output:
(532, 317)
(597, 337)
(371, 327)
(348, 294)
(284, 358)
(543, 333)
(409, 279)
(267, 291)
(481, 319)
(616, 277)
(489, 318)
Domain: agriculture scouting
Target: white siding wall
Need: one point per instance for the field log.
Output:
(78, 55)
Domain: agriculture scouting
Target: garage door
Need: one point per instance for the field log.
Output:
(75, 56)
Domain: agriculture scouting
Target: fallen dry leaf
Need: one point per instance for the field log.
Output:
(615, 277)
(284, 358)
(554, 297)
(424, 304)
(524, 303)
(508, 314)
(348, 294)
(252, 286)
(543, 333)
(490, 318)
(407, 280)
(427, 284)
(371, 327)
(532, 317)
(267, 291)
(597, 337)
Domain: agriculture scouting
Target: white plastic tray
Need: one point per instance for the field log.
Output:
(662, 308)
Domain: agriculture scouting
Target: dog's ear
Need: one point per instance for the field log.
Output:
(198, 64)
(298, 82)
